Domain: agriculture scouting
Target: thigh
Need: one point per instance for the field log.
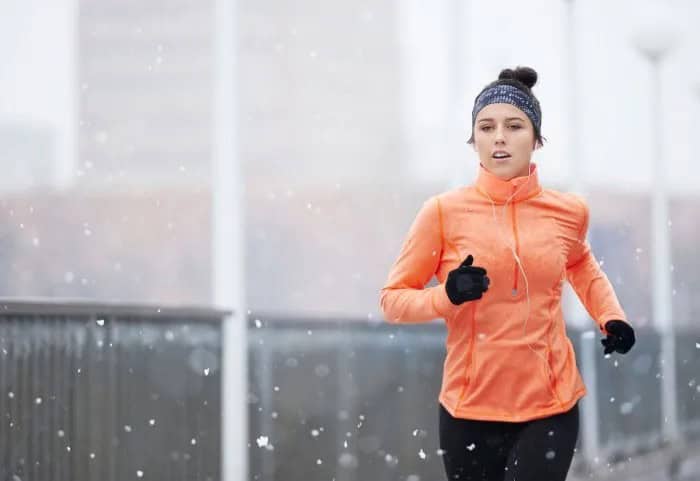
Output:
(474, 450)
(544, 448)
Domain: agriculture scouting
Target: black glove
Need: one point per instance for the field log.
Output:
(466, 283)
(620, 337)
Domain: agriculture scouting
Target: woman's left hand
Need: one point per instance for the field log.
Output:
(620, 337)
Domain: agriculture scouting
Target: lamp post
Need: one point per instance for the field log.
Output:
(590, 434)
(654, 39)
(228, 248)
(572, 118)
(460, 30)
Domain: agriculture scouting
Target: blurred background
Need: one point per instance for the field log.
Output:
(252, 167)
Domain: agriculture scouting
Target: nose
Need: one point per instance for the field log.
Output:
(499, 135)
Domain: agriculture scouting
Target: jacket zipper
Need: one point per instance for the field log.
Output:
(470, 366)
(517, 251)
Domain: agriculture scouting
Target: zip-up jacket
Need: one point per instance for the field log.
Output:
(501, 363)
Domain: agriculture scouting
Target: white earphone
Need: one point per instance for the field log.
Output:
(517, 260)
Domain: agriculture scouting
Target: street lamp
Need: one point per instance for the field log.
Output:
(228, 236)
(590, 435)
(655, 36)
(572, 120)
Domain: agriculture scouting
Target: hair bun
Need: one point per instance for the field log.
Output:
(525, 75)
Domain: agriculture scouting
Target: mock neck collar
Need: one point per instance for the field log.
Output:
(499, 190)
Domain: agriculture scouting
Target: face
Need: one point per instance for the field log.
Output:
(503, 129)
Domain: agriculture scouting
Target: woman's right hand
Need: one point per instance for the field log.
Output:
(466, 283)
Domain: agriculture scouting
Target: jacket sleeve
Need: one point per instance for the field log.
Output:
(589, 281)
(404, 297)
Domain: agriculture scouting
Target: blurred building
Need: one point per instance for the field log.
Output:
(341, 121)
(126, 216)
(145, 80)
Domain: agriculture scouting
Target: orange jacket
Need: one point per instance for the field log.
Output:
(502, 364)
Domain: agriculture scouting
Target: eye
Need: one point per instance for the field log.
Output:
(515, 126)
(486, 128)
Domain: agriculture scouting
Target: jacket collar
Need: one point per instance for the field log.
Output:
(499, 190)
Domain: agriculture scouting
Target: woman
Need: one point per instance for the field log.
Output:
(501, 250)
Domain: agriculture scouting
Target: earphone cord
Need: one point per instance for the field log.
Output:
(517, 260)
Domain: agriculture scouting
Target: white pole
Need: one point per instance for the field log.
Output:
(654, 40)
(572, 117)
(590, 417)
(661, 267)
(590, 434)
(464, 37)
(228, 246)
(67, 139)
(574, 308)
(460, 107)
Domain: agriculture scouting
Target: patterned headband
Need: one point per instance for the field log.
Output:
(509, 94)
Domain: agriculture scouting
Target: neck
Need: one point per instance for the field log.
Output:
(523, 173)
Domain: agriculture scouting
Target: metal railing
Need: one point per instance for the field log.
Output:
(108, 392)
(356, 401)
(111, 392)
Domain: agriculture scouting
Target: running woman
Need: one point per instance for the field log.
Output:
(501, 250)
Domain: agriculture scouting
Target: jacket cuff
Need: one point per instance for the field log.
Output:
(441, 303)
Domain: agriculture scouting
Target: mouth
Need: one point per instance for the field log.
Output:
(500, 156)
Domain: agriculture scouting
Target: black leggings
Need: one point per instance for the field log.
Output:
(538, 450)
